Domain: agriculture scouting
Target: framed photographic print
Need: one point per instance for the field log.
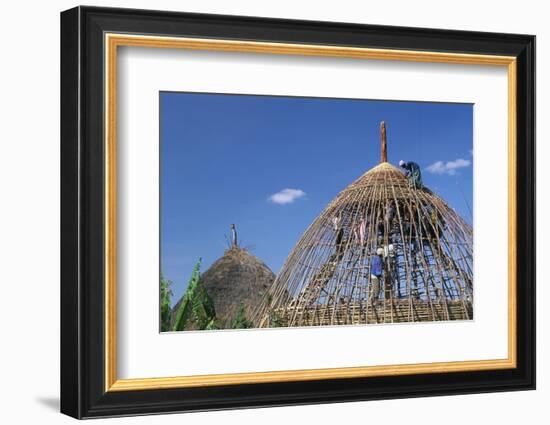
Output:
(261, 212)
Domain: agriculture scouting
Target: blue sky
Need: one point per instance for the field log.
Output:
(271, 165)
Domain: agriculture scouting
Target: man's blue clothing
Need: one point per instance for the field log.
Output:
(414, 174)
(376, 267)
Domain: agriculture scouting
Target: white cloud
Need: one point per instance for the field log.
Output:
(286, 196)
(448, 167)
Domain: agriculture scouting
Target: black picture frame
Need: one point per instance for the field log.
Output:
(82, 212)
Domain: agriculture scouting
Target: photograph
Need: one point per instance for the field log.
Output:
(284, 211)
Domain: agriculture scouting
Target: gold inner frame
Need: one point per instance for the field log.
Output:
(113, 41)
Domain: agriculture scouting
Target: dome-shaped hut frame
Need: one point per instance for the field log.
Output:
(427, 258)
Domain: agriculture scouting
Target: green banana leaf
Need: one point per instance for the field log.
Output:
(196, 306)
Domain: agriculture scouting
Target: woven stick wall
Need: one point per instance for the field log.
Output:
(326, 279)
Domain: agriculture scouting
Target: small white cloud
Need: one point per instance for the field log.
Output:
(448, 167)
(436, 168)
(286, 196)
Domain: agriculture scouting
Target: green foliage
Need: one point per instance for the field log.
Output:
(165, 297)
(203, 308)
(240, 321)
(196, 307)
(213, 324)
(275, 321)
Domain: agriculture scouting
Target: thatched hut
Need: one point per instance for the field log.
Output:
(236, 281)
(328, 278)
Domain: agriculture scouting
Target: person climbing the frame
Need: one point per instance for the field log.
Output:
(376, 270)
(339, 236)
(392, 279)
(414, 175)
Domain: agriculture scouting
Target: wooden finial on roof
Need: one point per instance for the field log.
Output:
(234, 242)
(383, 145)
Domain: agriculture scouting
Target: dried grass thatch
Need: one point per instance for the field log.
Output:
(237, 279)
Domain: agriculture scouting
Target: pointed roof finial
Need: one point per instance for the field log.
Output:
(234, 242)
(383, 145)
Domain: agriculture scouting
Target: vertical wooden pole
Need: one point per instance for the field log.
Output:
(384, 148)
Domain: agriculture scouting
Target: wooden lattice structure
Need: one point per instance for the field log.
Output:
(427, 259)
